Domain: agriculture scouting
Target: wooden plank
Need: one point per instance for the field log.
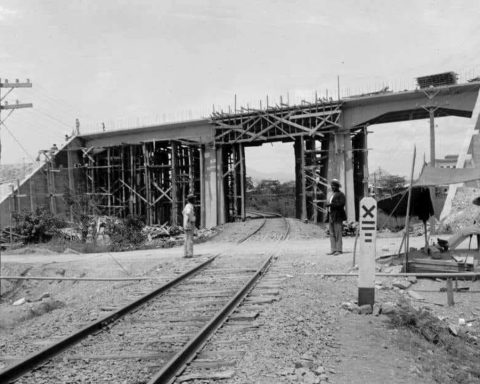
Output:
(314, 114)
(301, 127)
(207, 375)
(134, 192)
(211, 364)
(116, 356)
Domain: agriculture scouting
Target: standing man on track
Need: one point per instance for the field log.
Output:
(189, 225)
(336, 216)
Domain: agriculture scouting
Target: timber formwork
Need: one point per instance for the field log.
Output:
(312, 128)
(150, 180)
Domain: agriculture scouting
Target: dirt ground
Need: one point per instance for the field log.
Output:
(308, 320)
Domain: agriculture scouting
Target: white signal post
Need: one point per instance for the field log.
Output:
(368, 239)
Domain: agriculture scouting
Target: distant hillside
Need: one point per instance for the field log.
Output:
(259, 176)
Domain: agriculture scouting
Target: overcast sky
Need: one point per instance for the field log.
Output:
(140, 62)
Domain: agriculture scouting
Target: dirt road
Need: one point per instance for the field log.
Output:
(306, 331)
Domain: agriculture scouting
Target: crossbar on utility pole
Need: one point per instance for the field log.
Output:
(16, 106)
(17, 84)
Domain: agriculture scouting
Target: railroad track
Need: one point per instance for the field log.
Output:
(150, 339)
(220, 356)
(273, 226)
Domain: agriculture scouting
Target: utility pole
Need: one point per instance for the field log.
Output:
(11, 108)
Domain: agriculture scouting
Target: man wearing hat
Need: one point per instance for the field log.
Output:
(189, 225)
(336, 216)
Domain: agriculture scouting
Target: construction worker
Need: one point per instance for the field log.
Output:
(189, 225)
(336, 216)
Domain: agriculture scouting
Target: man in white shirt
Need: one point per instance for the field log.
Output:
(189, 225)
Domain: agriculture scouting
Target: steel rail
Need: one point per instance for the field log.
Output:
(287, 232)
(264, 214)
(177, 364)
(32, 361)
(254, 232)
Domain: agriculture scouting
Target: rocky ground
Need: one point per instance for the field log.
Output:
(313, 333)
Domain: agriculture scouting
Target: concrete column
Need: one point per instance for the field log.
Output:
(210, 182)
(349, 186)
(340, 166)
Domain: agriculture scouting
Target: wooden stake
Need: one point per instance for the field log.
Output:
(450, 300)
(407, 218)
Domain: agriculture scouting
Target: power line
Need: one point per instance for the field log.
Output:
(18, 142)
(54, 118)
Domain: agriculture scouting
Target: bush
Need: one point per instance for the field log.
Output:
(37, 226)
(125, 234)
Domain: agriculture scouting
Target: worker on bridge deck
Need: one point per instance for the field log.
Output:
(189, 225)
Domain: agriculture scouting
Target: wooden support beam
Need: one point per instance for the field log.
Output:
(146, 180)
(162, 193)
(291, 123)
(234, 181)
(174, 180)
(132, 197)
(135, 192)
(71, 181)
(191, 166)
(109, 182)
(202, 187)
(122, 178)
(32, 196)
(303, 181)
(242, 181)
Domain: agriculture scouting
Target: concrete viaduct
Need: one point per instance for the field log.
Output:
(149, 171)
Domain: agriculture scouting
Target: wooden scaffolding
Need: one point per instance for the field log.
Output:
(309, 126)
(150, 179)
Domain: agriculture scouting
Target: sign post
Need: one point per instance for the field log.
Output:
(368, 238)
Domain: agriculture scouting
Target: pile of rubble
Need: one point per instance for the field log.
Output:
(164, 236)
(157, 236)
(463, 213)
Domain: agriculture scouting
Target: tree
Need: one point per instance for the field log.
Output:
(385, 183)
(250, 185)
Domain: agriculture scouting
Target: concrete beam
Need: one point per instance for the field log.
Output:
(210, 181)
(456, 100)
(200, 131)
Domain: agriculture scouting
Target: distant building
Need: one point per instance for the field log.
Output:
(450, 161)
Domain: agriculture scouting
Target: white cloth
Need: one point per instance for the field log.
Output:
(188, 217)
(330, 201)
